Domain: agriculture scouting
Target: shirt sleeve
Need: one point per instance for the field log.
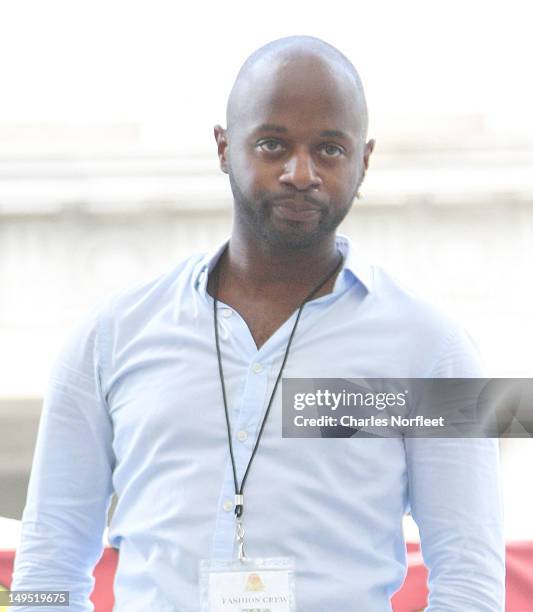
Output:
(456, 501)
(70, 485)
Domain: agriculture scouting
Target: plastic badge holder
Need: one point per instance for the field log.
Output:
(251, 585)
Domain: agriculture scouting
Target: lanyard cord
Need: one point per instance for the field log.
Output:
(239, 491)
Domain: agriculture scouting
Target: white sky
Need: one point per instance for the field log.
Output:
(168, 66)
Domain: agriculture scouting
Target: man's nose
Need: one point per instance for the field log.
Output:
(300, 172)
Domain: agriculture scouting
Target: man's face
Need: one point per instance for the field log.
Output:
(295, 156)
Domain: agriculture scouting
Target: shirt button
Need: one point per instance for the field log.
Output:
(228, 505)
(241, 435)
(227, 312)
(257, 367)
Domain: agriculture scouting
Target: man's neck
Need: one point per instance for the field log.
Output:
(258, 266)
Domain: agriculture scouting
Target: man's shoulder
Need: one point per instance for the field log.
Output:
(408, 304)
(144, 298)
(432, 335)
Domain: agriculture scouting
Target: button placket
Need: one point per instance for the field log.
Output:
(250, 415)
(245, 417)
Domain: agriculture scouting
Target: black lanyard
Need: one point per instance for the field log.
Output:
(239, 491)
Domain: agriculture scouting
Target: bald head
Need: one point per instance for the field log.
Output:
(305, 60)
(295, 145)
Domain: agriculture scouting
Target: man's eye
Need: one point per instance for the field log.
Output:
(332, 150)
(272, 146)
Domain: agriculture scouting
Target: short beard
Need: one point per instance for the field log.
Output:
(256, 217)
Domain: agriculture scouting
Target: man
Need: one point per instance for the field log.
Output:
(143, 396)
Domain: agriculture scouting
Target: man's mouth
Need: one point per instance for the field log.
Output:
(296, 211)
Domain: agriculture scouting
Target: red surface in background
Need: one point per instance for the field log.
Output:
(411, 598)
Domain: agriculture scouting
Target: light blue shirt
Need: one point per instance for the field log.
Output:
(134, 405)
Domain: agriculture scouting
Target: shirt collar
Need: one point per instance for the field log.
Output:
(353, 263)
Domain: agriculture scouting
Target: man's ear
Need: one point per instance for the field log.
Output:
(369, 147)
(222, 146)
